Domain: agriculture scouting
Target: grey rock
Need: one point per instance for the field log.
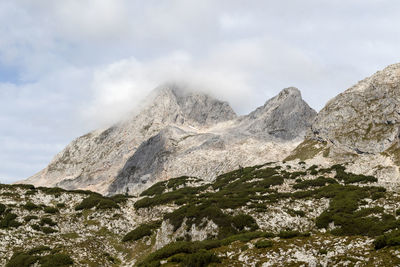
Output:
(178, 132)
(286, 116)
(365, 118)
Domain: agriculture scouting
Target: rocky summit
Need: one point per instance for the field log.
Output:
(360, 127)
(178, 132)
(187, 182)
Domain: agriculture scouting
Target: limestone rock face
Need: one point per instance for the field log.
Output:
(366, 117)
(286, 116)
(178, 132)
(360, 127)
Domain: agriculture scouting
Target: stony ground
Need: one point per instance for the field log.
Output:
(289, 214)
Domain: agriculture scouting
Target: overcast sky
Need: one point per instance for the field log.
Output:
(70, 66)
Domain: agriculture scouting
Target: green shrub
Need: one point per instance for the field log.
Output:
(97, 201)
(30, 217)
(51, 210)
(184, 247)
(36, 227)
(9, 221)
(119, 198)
(380, 242)
(200, 258)
(105, 203)
(48, 230)
(264, 244)
(388, 239)
(398, 212)
(22, 260)
(56, 260)
(61, 205)
(295, 213)
(323, 251)
(31, 206)
(140, 232)
(88, 203)
(2, 208)
(38, 250)
(320, 181)
(350, 178)
(243, 221)
(291, 234)
(47, 221)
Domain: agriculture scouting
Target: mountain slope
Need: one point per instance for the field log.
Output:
(178, 132)
(270, 214)
(360, 126)
(93, 160)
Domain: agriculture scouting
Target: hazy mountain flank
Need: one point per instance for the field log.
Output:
(179, 133)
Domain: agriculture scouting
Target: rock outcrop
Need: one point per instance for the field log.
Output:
(360, 127)
(286, 116)
(366, 117)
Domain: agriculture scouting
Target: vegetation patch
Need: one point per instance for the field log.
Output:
(388, 240)
(98, 202)
(9, 221)
(307, 150)
(31, 206)
(51, 210)
(42, 255)
(183, 249)
(264, 244)
(320, 181)
(141, 231)
(343, 212)
(292, 234)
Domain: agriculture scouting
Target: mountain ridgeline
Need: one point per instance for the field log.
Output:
(178, 132)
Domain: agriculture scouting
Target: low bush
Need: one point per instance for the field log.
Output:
(184, 247)
(243, 221)
(320, 181)
(30, 217)
(56, 260)
(342, 211)
(200, 258)
(2, 208)
(9, 221)
(38, 250)
(97, 201)
(47, 221)
(388, 240)
(31, 206)
(106, 203)
(291, 234)
(48, 230)
(34, 256)
(51, 210)
(141, 231)
(22, 260)
(264, 244)
(295, 213)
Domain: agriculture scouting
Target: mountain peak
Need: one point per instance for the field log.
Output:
(181, 104)
(285, 116)
(289, 92)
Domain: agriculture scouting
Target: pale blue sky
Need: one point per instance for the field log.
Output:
(67, 67)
